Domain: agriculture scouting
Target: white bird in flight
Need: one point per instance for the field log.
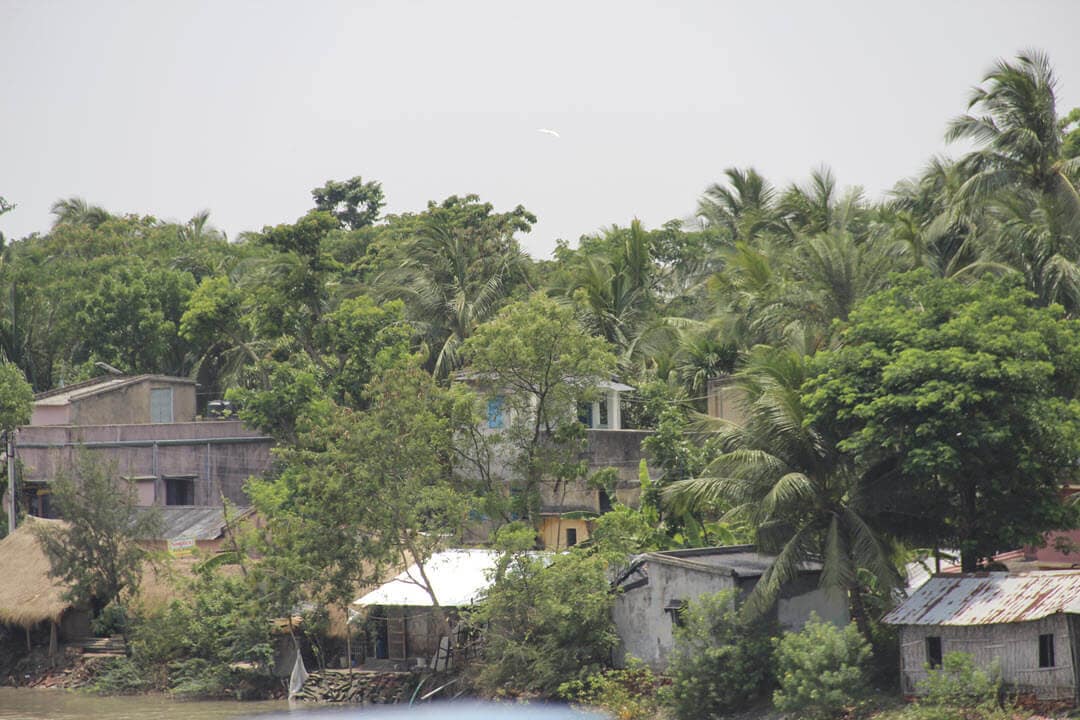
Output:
(548, 131)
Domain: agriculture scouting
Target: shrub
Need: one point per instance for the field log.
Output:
(628, 694)
(120, 676)
(544, 624)
(821, 670)
(959, 683)
(721, 662)
(959, 691)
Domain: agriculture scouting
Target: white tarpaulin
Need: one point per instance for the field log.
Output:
(458, 578)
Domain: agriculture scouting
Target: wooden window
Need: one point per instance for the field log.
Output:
(161, 405)
(571, 537)
(933, 651)
(1046, 651)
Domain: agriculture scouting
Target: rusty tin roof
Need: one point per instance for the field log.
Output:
(989, 598)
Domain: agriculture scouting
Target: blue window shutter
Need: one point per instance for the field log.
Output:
(496, 413)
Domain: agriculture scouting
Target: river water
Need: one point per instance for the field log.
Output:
(38, 704)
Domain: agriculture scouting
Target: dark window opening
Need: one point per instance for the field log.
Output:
(585, 414)
(933, 651)
(39, 504)
(676, 608)
(1046, 651)
(603, 423)
(571, 537)
(605, 502)
(179, 491)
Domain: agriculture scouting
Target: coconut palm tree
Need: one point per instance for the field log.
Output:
(784, 476)
(452, 282)
(1016, 123)
(745, 204)
(615, 291)
(76, 211)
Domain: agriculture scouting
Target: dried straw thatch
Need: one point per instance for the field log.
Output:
(28, 594)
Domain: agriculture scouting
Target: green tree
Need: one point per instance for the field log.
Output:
(353, 202)
(454, 266)
(131, 318)
(535, 357)
(745, 205)
(782, 473)
(821, 670)
(721, 661)
(546, 619)
(1018, 127)
(16, 398)
(959, 400)
(76, 211)
(97, 552)
(16, 406)
(364, 491)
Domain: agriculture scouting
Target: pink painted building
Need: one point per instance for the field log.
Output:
(145, 428)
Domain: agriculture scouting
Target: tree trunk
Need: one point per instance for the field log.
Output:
(858, 612)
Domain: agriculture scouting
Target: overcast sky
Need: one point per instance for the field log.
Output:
(243, 107)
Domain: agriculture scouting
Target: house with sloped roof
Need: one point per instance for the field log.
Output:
(1025, 624)
(655, 587)
(398, 614)
(146, 428)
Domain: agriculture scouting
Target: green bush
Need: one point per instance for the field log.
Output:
(544, 622)
(628, 694)
(112, 620)
(959, 683)
(821, 670)
(959, 691)
(189, 647)
(120, 676)
(721, 662)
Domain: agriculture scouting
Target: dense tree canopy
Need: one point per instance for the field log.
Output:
(908, 364)
(961, 404)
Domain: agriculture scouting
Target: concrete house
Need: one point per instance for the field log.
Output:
(656, 586)
(146, 427)
(609, 445)
(1026, 623)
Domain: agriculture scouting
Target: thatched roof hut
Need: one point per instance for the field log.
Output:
(28, 594)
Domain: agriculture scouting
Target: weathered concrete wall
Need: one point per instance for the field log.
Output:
(220, 454)
(620, 449)
(131, 403)
(794, 609)
(51, 415)
(1014, 646)
(646, 630)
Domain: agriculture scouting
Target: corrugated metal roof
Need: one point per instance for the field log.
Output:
(990, 598)
(198, 523)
